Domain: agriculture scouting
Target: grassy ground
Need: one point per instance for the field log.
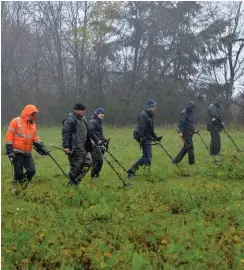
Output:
(162, 221)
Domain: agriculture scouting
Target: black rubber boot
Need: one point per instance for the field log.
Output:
(132, 170)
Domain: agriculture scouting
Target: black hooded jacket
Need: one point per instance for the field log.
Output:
(186, 124)
(214, 113)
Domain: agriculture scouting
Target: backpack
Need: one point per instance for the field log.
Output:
(136, 132)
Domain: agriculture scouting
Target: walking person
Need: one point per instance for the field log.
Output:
(76, 143)
(96, 134)
(186, 132)
(146, 135)
(20, 138)
(215, 125)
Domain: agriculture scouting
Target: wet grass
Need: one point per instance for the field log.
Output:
(163, 221)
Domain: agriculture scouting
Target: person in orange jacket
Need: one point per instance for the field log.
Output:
(20, 138)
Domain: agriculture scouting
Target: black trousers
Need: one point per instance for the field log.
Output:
(215, 144)
(188, 147)
(146, 157)
(80, 164)
(97, 162)
(22, 162)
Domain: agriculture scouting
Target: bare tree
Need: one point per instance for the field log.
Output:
(118, 54)
(224, 46)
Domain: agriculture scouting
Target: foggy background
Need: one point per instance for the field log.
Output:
(117, 55)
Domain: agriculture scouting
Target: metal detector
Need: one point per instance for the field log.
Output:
(167, 153)
(214, 159)
(102, 149)
(238, 149)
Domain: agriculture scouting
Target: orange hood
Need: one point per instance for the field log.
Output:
(28, 110)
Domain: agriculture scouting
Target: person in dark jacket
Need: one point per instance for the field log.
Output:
(146, 135)
(76, 143)
(96, 134)
(186, 131)
(215, 125)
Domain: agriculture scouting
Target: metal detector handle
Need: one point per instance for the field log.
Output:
(101, 148)
(59, 148)
(107, 142)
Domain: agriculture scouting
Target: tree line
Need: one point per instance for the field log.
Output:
(117, 55)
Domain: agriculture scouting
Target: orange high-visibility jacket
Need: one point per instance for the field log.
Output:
(21, 134)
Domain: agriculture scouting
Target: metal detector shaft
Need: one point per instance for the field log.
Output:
(215, 160)
(116, 160)
(167, 153)
(58, 165)
(112, 167)
(122, 180)
(238, 149)
(186, 146)
(59, 148)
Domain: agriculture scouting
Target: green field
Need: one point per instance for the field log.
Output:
(163, 221)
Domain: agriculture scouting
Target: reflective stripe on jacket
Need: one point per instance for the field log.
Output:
(21, 133)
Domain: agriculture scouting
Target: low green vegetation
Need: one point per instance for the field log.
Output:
(163, 221)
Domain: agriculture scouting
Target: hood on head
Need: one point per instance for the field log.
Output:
(190, 105)
(218, 100)
(28, 110)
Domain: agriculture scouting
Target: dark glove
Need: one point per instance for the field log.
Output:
(158, 139)
(40, 149)
(45, 152)
(106, 143)
(222, 125)
(101, 148)
(10, 152)
(9, 149)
